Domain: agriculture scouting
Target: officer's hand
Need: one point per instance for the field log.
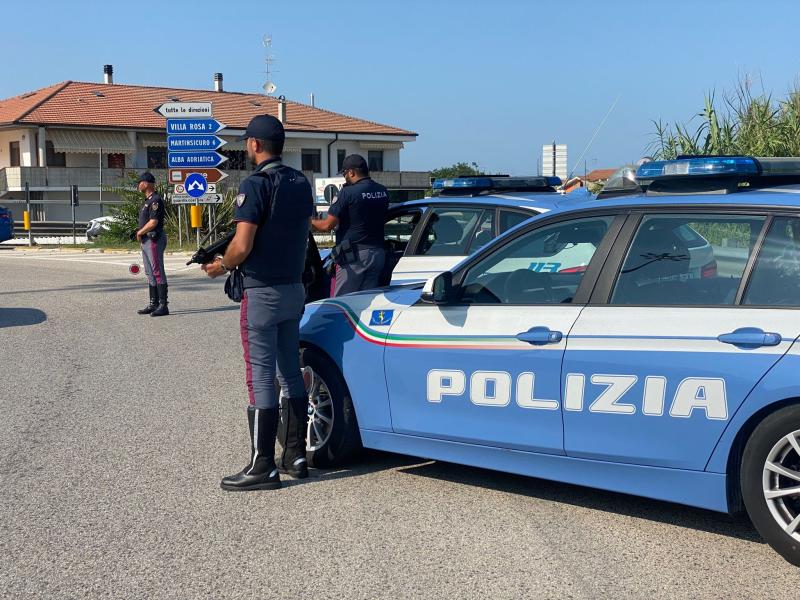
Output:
(213, 269)
(139, 236)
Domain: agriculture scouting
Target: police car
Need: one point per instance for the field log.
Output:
(633, 372)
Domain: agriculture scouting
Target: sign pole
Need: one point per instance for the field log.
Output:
(73, 224)
(180, 227)
(199, 225)
(28, 210)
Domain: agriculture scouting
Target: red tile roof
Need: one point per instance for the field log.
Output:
(73, 103)
(600, 174)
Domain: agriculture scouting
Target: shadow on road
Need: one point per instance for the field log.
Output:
(21, 317)
(194, 311)
(737, 526)
(124, 285)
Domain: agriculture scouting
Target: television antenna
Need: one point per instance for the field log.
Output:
(269, 87)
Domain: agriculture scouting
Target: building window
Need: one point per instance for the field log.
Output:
(54, 159)
(156, 158)
(116, 161)
(13, 151)
(237, 160)
(375, 160)
(340, 155)
(312, 160)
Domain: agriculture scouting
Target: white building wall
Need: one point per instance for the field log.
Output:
(6, 137)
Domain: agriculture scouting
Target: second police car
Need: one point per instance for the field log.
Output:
(661, 360)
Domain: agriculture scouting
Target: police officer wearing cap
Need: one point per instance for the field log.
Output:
(358, 215)
(272, 213)
(150, 234)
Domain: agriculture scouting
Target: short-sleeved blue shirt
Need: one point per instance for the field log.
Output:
(153, 208)
(279, 200)
(361, 209)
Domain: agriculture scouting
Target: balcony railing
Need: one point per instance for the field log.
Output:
(87, 178)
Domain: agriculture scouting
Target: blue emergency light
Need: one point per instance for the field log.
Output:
(699, 166)
(483, 183)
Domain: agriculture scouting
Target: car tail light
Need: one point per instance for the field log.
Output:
(579, 269)
(709, 270)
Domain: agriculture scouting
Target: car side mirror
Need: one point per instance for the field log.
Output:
(439, 289)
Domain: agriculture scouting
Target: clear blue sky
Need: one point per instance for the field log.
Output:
(479, 81)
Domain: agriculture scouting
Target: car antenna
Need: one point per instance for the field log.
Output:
(594, 135)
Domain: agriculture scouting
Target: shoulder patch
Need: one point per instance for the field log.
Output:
(155, 205)
(240, 198)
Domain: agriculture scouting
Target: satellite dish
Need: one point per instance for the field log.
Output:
(270, 87)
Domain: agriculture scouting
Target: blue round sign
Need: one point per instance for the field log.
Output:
(195, 185)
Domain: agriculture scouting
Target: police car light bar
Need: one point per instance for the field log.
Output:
(698, 166)
(495, 183)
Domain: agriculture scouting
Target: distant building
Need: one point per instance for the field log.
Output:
(94, 135)
(554, 160)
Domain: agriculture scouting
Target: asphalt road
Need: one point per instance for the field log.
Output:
(116, 429)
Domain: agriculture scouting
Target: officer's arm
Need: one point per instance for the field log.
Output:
(241, 244)
(324, 225)
(149, 226)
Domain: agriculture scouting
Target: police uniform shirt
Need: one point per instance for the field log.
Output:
(282, 214)
(153, 208)
(361, 209)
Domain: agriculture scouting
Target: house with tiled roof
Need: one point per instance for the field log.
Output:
(94, 135)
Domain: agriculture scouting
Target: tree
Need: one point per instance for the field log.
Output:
(745, 124)
(459, 169)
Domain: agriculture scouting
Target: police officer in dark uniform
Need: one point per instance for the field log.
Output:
(150, 234)
(272, 214)
(358, 215)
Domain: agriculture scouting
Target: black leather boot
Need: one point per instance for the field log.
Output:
(294, 419)
(162, 309)
(261, 473)
(153, 302)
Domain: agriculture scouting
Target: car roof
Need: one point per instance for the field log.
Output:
(777, 197)
(532, 201)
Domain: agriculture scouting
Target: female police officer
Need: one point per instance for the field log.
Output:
(272, 214)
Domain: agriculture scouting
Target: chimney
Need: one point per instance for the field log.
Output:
(218, 82)
(282, 109)
(312, 100)
(108, 74)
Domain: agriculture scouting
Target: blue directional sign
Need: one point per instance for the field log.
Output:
(192, 160)
(193, 126)
(192, 143)
(195, 185)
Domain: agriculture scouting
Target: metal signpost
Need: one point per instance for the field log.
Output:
(74, 202)
(28, 212)
(192, 144)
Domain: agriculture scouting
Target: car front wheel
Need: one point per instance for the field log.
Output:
(770, 479)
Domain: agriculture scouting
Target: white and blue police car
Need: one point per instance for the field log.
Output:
(661, 360)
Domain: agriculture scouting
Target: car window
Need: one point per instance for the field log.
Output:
(687, 260)
(543, 266)
(399, 228)
(484, 232)
(448, 231)
(776, 276)
(509, 219)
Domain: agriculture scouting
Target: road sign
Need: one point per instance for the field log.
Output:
(179, 188)
(184, 110)
(194, 160)
(187, 199)
(211, 175)
(184, 143)
(195, 185)
(193, 126)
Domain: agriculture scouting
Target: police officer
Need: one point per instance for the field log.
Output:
(358, 215)
(150, 234)
(272, 213)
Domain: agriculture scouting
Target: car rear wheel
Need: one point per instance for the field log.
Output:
(332, 435)
(770, 479)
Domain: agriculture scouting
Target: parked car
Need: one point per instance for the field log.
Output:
(97, 226)
(622, 369)
(6, 224)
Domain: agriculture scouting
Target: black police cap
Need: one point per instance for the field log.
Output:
(264, 127)
(354, 161)
(147, 176)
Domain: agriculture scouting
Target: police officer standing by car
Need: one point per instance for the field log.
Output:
(272, 214)
(150, 234)
(358, 215)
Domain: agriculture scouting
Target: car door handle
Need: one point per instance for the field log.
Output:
(750, 337)
(540, 336)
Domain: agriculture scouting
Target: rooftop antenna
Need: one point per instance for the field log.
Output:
(269, 60)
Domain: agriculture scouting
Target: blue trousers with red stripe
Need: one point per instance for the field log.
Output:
(270, 327)
(153, 259)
